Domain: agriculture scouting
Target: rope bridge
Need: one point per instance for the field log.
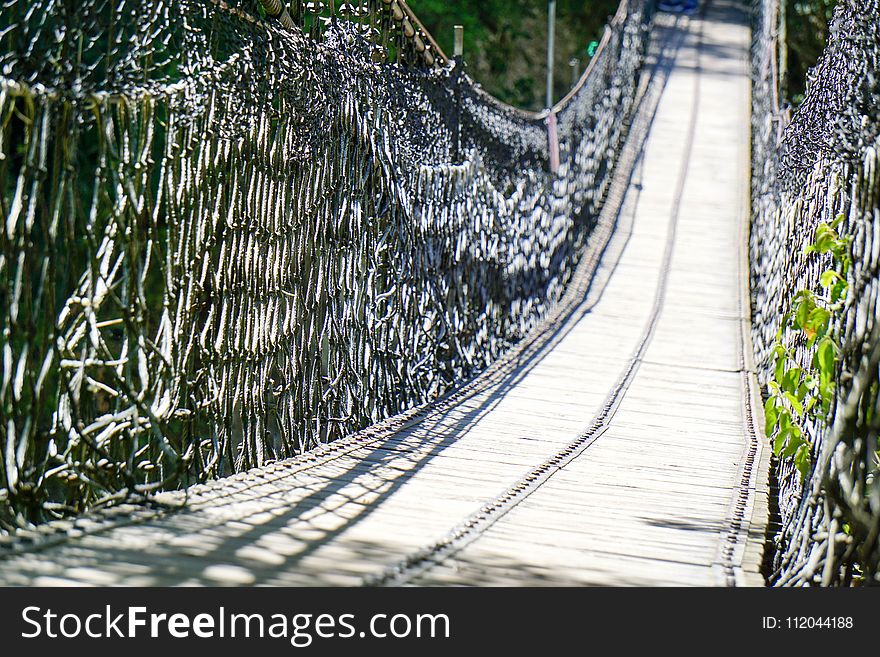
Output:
(229, 238)
(613, 444)
(236, 231)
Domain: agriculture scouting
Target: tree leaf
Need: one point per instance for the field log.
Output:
(779, 370)
(802, 460)
(770, 416)
(791, 379)
(828, 278)
(802, 312)
(784, 419)
(779, 442)
(818, 319)
(794, 442)
(838, 290)
(825, 356)
(796, 406)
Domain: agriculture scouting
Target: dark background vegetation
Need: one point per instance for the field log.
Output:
(505, 41)
(806, 32)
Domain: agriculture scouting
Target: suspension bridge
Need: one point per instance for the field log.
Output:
(521, 354)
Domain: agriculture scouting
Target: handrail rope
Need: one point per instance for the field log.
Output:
(443, 59)
(275, 9)
(530, 115)
(618, 19)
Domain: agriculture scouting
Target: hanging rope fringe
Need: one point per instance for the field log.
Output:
(226, 240)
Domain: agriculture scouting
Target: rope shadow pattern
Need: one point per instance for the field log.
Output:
(226, 241)
(809, 168)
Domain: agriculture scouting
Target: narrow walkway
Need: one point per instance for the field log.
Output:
(617, 448)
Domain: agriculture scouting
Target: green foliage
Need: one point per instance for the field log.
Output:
(806, 33)
(505, 41)
(800, 396)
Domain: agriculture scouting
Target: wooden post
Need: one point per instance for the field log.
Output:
(575, 64)
(458, 52)
(782, 46)
(551, 43)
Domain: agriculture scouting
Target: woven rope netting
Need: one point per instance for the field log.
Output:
(225, 240)
(809, 168)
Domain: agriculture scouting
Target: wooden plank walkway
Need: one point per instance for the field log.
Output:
(637, 404)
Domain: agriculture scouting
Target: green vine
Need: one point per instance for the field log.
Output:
(800, 396)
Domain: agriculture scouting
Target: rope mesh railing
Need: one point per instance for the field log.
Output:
(225, 241)
(390, 25)
(809, 169)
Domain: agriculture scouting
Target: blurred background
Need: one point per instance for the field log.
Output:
(505, 41)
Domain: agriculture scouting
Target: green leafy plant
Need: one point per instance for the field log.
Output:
(801, 396)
